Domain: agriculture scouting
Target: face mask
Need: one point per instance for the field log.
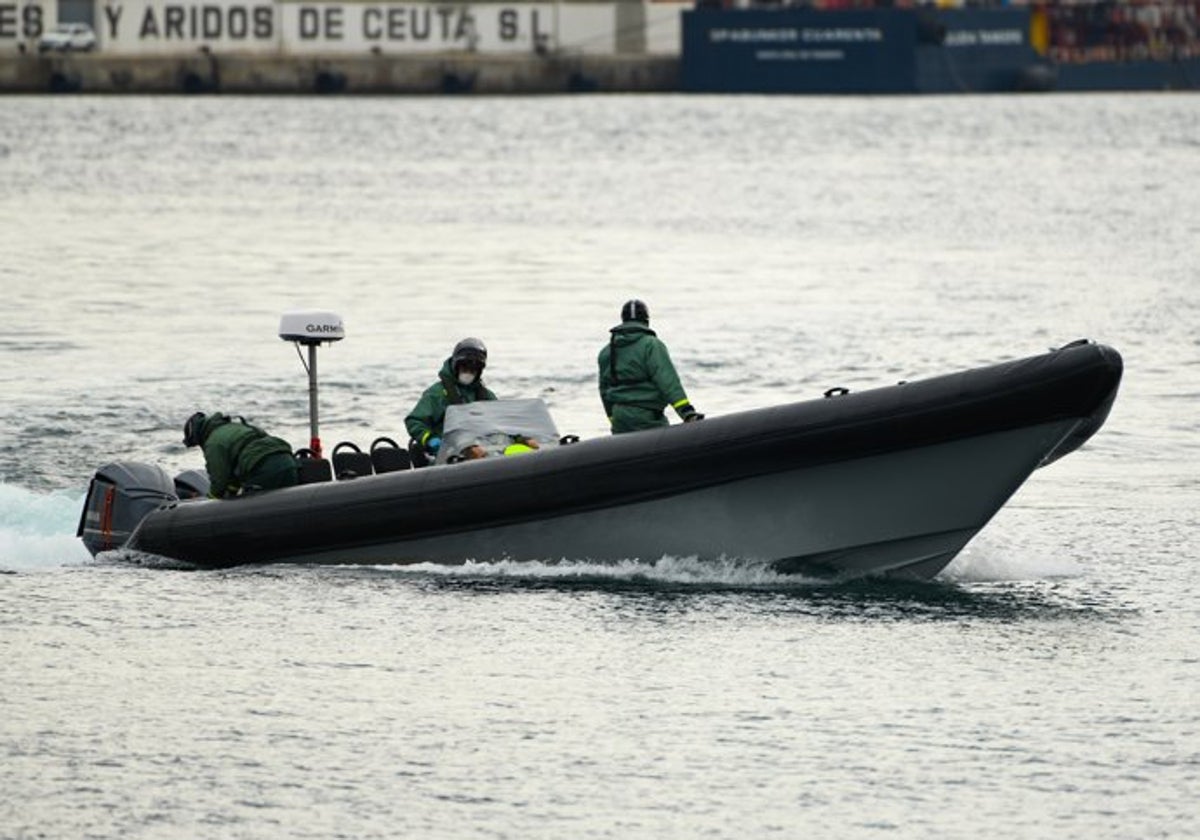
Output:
(466, 378)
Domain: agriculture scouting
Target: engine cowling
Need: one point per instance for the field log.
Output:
(120, 496)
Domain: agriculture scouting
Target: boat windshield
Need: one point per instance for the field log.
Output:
(481, 429)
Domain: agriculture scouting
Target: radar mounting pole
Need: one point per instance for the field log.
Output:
(314, 431)
(311, 329)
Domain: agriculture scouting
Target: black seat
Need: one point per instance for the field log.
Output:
(313, 470)
(387, 456)
(416, 455)
(350, 462)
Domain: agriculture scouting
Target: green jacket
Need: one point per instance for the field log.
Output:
(426, 418)
(233, 450)
(642, 375)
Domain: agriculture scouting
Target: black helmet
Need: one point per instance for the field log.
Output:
(469, 352)
(191, 429)
(635, 310)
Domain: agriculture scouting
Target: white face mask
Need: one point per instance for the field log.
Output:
(466, 378)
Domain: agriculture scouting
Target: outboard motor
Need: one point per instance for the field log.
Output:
(191, 484)
(120, 496)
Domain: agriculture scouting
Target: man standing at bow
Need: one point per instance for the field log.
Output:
(637, 379)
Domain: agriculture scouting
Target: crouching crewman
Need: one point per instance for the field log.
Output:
(240, 458)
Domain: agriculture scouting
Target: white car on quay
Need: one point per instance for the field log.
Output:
(68, 37)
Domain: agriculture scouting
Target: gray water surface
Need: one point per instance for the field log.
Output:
(1045, 686)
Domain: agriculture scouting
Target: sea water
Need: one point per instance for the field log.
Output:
(1044, 686)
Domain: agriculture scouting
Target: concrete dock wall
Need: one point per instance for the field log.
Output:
(465, 73)
(345, 46)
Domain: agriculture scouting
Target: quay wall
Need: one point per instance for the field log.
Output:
(338, 74)
(344, 46)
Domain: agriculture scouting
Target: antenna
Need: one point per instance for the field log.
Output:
(311, 329)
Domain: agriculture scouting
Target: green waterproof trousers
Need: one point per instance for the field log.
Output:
(273, 472)
(633, 418)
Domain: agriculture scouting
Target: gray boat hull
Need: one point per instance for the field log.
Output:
(866, 516)
(890, 481)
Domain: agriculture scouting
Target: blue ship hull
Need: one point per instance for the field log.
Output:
(903, 51)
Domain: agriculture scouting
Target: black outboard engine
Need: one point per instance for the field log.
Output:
(119, 498)
(191, 484)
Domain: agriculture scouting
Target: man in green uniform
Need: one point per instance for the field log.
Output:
(459, 381)
(238, 457)
(637, 378)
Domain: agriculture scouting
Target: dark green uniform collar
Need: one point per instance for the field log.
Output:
(630, 327)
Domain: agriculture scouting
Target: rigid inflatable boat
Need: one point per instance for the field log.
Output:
(890, 481)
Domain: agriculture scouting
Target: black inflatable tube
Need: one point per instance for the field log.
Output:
(1077, 381)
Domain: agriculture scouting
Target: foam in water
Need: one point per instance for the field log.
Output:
(984, 560)
(668, 569)
(37, 530)
(977, 564)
